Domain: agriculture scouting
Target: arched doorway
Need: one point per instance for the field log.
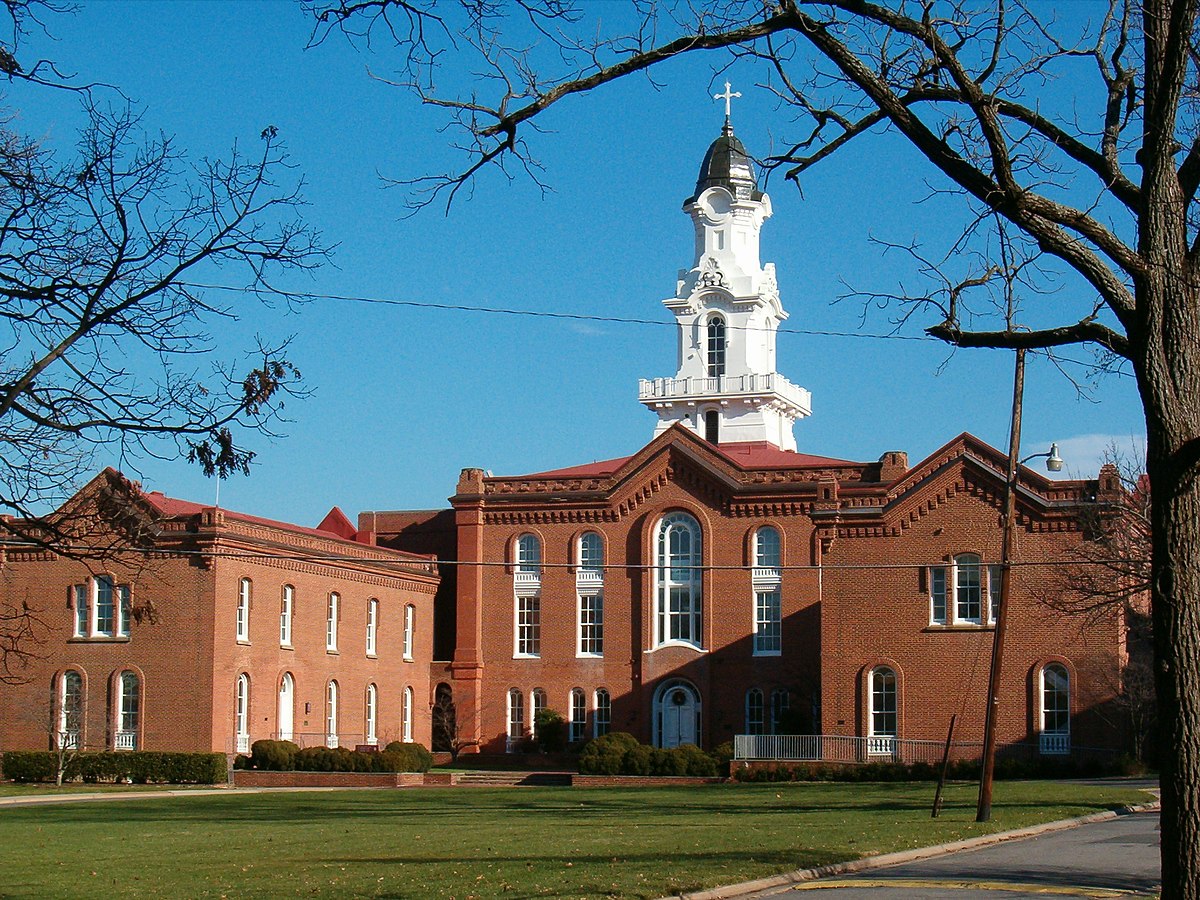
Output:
(286, 706)
(445, 720)
(676, 714)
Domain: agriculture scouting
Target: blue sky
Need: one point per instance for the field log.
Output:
(403, 398)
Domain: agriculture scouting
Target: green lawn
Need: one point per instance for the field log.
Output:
(481, 843)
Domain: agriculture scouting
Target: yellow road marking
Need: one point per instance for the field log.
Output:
(918, 884)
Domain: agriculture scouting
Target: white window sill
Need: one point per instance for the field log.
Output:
(589, 655)
(686, 645)
(768, 653)
(527, 656)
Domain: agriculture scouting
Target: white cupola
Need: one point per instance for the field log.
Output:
(727, 305)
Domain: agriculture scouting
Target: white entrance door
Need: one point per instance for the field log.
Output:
(678, 717)
(286, 707)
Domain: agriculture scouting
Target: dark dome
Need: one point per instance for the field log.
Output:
(729, 165)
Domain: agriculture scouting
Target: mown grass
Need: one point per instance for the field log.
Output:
(11, 789)
(483, 843)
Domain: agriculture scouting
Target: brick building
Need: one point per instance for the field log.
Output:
(718, 582)
(221, 629)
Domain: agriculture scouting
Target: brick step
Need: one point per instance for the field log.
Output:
(514, 779)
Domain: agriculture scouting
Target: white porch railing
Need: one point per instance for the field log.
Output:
(589, 577)
(68, 740)
(1054, 744)
(126, 740)
(845, 748)
(528, 579)
(765, 573)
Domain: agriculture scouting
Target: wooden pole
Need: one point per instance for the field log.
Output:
(983, 811)
(937, 797)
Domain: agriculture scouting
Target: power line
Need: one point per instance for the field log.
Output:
(617, 320)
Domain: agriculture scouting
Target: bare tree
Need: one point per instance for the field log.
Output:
(106, 342)
(1102, 185)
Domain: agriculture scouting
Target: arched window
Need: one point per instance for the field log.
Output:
(578, 715)
(712, 426)
(285, 615)
(287, 706)
(372, 713)
(129, 711)
(241, 714)
(780, 702)
(537, 704)
(372, 629)
(331, 714)
(332, 613)
(516, 720)
(591, 554)
(1056, 709)
(754, 711)
(70, 711)
(679, 601)
(242, 627)
(603, 720)
(716, 347)
(406, 716)
(676, 714)
(410, 619)
(529, 555)
(766, 549)
(883, 719)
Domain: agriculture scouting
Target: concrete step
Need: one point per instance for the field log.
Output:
(514, 779)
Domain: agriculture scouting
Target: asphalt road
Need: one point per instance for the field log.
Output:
(1117, 858)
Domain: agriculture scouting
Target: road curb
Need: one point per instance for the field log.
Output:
(779, 883)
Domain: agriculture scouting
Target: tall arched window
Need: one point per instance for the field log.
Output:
(754, 711)
(372, 627)
(129, 711)
(331, 714)
(406, 716)
(781, 701)
(716, 347)
(537, 704)
(241, 714)
(766, 548)
(287, 706)
(766, 575)
(603, 720)
(70, 711)
(578, 714)
(372, 713)
(589, 585)
(1056, 709)
(332, 614)
(410, 619)
(883, 719)
(679, 600)
(242, 626)
(516, 720)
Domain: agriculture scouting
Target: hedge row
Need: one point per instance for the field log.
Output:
(619, 753)
(284, 756)
(961, 770)
(137, 766)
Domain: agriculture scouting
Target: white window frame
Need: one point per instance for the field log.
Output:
(602, 717)
(756, 719)
(82, 610)
(516, 720)
(678, 582)
(781, 702)
(129, 711)
(70, 711)
(287, 691)
(881, 741)
(241, 713)
(372, 714)
(242, 614)
(577, 704)
(406, 715)
(286, 610)
(1055, 736)
(332, 613)
(410, 625)
(591, 557)
(768, 620)
(331, 713)
(372, 627)
(527, 626)
(102, 585)
(589, 625)
(528, 553)
(715, 346)
(945, 591)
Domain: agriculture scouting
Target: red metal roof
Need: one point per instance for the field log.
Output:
(172, 506)
(747, 455)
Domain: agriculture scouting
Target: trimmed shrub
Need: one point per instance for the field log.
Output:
(550, 729)
(604, 755)
(278, 756)
(695, 761)
(637, 760)
(722, 754)
(137, 766)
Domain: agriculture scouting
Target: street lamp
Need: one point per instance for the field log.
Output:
(1054, 463)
